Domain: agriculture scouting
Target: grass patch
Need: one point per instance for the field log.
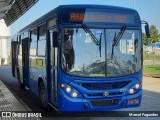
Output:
(151, 69)
(151, 57)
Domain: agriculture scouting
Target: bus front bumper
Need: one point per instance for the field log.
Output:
(68, 104)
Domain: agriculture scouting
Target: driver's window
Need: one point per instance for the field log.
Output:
(68, 36)
(68, 51)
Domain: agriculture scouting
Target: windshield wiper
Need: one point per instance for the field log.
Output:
(87, 30)
(100, 41)
(117, 38)
(95, 40)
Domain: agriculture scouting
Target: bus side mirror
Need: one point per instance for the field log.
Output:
(147, 30)
(55, 39)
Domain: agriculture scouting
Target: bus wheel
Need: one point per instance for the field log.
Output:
(42, 96)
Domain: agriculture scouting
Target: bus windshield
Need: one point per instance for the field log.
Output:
(82, 56)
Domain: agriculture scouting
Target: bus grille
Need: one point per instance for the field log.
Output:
(104, 103)
(101, 94)
(105, 86)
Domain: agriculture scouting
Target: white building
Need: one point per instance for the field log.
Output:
(5, 34)
(151, 48)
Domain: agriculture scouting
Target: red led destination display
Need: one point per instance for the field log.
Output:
(98, 17)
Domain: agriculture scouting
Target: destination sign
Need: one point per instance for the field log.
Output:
(101, 17)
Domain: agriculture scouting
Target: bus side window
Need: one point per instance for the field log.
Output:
(41, 50)
(21, 37)
(20, 45)
(33, 45)
(42, 41)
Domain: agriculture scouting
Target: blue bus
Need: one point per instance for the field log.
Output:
(82, 58)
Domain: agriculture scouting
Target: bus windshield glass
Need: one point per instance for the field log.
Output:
(83, 56)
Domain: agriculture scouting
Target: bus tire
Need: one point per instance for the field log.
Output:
(42, 96)
(21, 85)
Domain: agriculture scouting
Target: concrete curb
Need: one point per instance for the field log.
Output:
(152, 75)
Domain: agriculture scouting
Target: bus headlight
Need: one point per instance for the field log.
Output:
(74, 94)
(134, 89)
(131, 91)
(70, 91)
(137, 86)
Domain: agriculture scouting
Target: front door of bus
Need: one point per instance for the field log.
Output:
(25, 59)
(53, 66)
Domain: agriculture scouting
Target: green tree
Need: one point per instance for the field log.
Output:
(155, 36)
(146, 40)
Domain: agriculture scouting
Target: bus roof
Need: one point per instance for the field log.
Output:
(57, 11)
(95, 6)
